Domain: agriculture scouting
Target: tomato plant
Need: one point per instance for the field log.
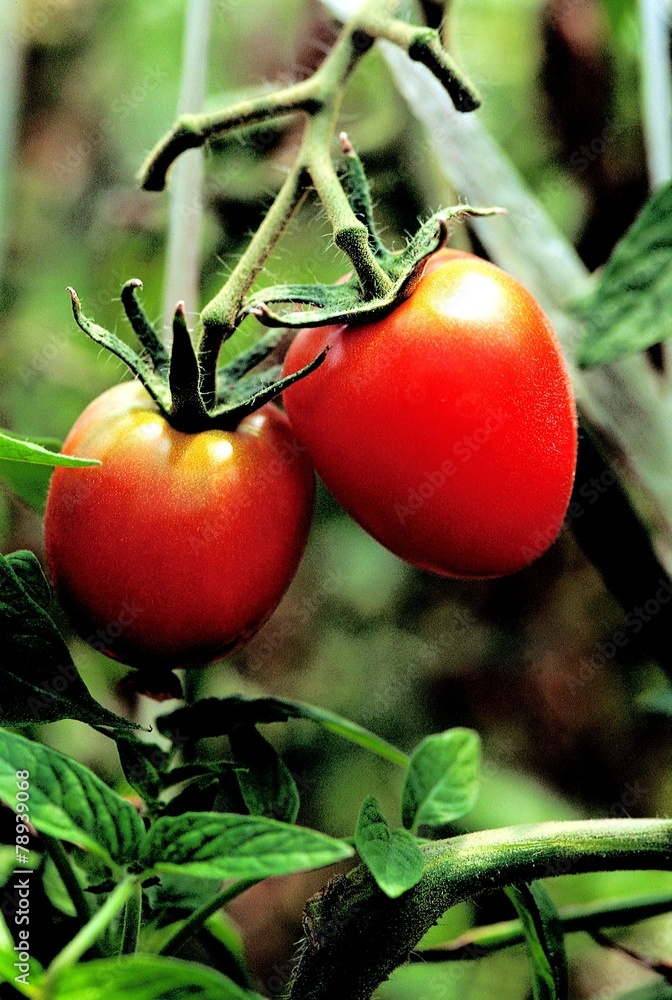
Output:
(447, 428)
(443, 419)
(179, 546)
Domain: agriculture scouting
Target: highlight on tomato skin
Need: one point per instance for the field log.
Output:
(179, 546)
(448, 428)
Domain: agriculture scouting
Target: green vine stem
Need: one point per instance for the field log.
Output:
(132, 920)
(220, 316)
(423, 45)
(192, 131)
(199, 916)
(58, 855)
(481, 941)
(355, 936)
(93, 930)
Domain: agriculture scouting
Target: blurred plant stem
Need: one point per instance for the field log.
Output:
(656, 90)
(186, 188)
(11, 51)
(656, 98)
(480, 941)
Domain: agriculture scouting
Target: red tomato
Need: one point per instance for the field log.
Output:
(179, 546)
(448, 428)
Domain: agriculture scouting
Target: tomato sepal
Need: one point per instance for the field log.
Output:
(187, 409)
(332, 305)
(143, 329)
(228, 375)
(229, 416)
(152, 382)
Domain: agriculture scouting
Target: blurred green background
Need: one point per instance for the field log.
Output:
(402, 652)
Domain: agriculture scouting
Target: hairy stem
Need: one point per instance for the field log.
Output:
(350, 235)
(356, 936)
(90, 933)
(199, 916)
(220, 315)
(191, 131)
(132, 919)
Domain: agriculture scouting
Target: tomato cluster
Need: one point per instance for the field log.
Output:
(447, 429)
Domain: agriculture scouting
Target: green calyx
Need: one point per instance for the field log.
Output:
(174, 379)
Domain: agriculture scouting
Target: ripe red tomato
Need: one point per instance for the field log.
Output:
(179, 546)
(448, 428)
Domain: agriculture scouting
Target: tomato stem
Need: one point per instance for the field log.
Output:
(193, 130)
(349, 208)
(381, 932)
(186, 386)
(221, 315)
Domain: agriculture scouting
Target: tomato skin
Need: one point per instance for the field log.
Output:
(179, 546)
(448, 428)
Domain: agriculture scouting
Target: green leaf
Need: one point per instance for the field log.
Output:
(68, 801)
(628, 309)
(219, 716)
(392, 856)
(658, 701)
(17, 449)
(178, 895)
(442, 779)
(55, 890)
(265, 781)
(141, 764)
(26, 464)
(28, 481)
(9, 972)
(39, 681)
(145, 977)
(26, 567)
(545, 940)
(225, 845)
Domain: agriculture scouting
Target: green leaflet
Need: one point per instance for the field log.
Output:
(442, 779)
(628, 310)
(225, 845)
(219, 716)
(145, 977)
(265, 781)
(68, 801)
(40, 682)
(16, 449)
(392, 856)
